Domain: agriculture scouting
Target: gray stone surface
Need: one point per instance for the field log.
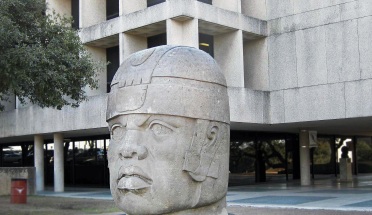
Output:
(315, 103)
(256, 62)
(282, 61)
(248, 105)
(276, 9)
(168, 116)
(365, 35)
(342, 51)
(311, 56)
(357, 93)
(277, 107)
(301, 6)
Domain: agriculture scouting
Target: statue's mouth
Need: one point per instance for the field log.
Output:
(133, 178)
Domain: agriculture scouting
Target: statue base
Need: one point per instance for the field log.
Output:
(345, 170)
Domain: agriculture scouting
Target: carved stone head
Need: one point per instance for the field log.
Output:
(168, 116)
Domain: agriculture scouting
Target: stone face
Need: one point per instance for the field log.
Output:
(168, 116)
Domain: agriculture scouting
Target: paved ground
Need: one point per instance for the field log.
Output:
(327, 194)
(324, 197)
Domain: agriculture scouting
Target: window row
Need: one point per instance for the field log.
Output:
(112, 9)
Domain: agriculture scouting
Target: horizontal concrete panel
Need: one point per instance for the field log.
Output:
(35, 120)
(301, 6)
(305, 20)
(248, 105)
(314, 103)
(173, 9)
(358, 96)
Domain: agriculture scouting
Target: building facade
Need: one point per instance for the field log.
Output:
(299, 77)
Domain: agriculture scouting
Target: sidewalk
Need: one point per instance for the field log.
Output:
(327, 194)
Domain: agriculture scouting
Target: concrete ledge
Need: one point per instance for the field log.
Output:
(170, 10)
(7, 173)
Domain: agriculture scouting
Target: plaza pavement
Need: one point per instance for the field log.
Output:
(323, 194)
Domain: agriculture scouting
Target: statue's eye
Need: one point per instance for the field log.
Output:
(160, 128)
(117, 131)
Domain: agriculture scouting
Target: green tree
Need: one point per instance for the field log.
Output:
(42, 59)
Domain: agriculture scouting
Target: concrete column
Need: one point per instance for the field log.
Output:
(129, 44)
(305, 158)
(130, 6)
(59, 174)
(183, 32)
(39, 161)
(92, 12)
(228, 52)
(232, 5)
(258, 11)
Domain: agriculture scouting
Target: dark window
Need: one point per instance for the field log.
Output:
(157, 40)
(75, 13)
(154, 2)
(112, 9)
(206, 1)
(112, 57)
(206, 43)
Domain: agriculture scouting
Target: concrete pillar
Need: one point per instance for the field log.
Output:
(59, 174)
(232, 5)
(39, 161)
(305, 158)
(183, 32)
(129, 44)
(228, 52)
(257, 11)
(92, 12)
(130, 6)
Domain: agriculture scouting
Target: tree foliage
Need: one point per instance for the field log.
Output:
(42, 59)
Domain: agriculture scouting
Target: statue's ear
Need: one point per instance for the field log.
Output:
(200, 159)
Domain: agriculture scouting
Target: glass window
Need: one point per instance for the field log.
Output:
(157, 40)
(113, 59)
(112, 9)
(206, 43)
(12, 156)
(154, 2)
(364, 155)
(75, 13)
(206, 1)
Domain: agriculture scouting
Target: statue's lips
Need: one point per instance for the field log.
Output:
(133, 178)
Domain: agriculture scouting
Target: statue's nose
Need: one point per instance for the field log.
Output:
(131, 147)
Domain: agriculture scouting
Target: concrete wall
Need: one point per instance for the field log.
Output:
(35, 120)
(254, 8)
(319, 60)
(62, 7)
(92, 12)
(232, 5)
(7, 173)
(130, 6)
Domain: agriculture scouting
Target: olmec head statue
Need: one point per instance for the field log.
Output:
(168, 116)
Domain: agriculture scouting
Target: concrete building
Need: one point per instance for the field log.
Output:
(299, 74)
